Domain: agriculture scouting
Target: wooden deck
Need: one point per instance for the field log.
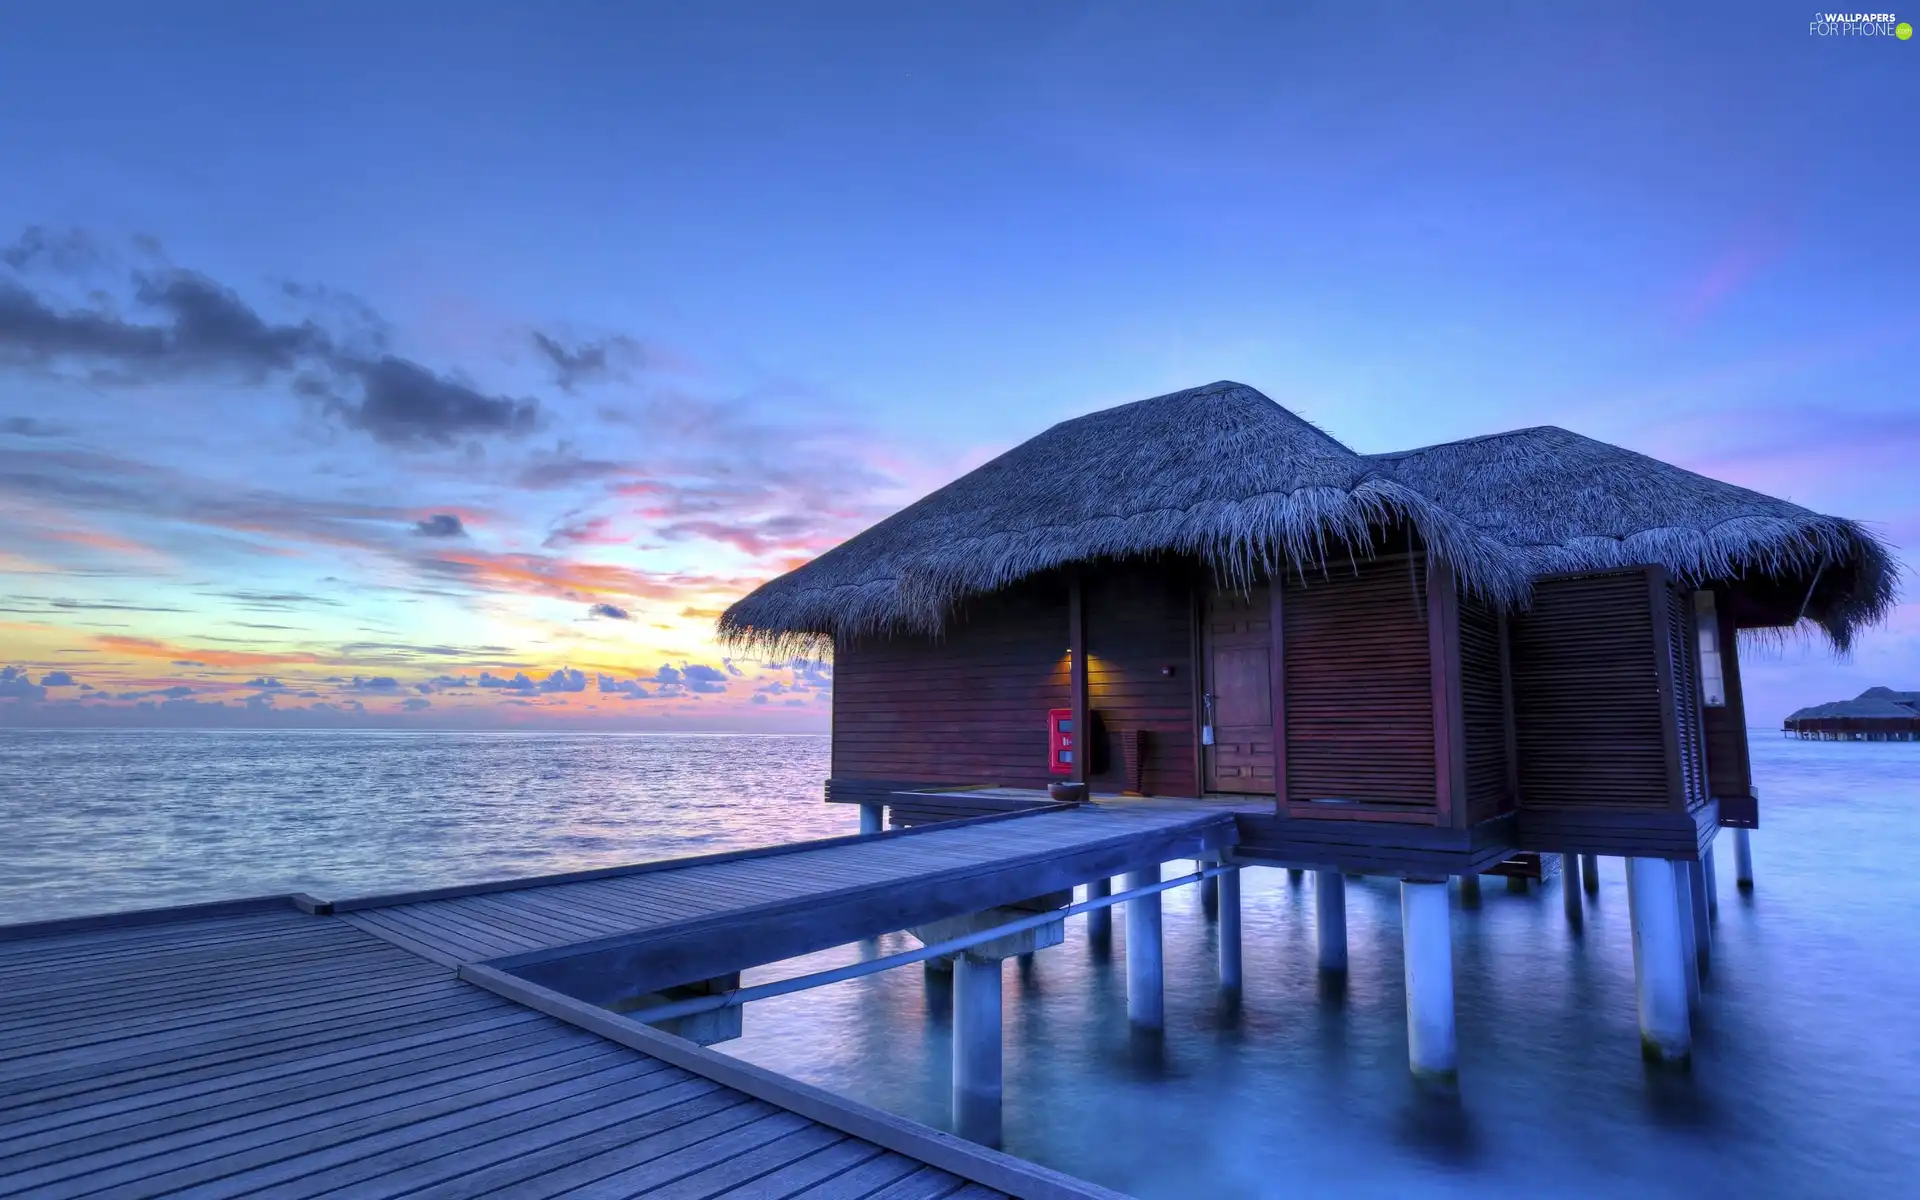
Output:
(608, 938)
(416, 1045)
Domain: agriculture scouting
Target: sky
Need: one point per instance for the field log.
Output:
(438, 365)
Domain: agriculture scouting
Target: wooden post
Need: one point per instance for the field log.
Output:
(1666, 1034)
(1230, 972)
(1427, 931)
(1100, 920)
(1330, 918)
(976, 1048)
(1146, 992)
(1077, 677)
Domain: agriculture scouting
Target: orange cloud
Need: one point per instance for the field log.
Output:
(139, 647)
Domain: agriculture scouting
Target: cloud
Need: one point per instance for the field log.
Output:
(64, 251)
(415, 704)
(759, 699)
(28, 427)
(138, 647)
(732, 670)
(612, 612)
(402, 403)
(565, 469)
(632, 689)
(440, 525)
(377, 683)
(187, 326)
(16, 685)
(588, 362)
(519, 682)
(268, 682)
(574, 530)
(566, 679)
(55, 679)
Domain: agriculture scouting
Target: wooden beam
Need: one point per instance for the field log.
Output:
(1196, 621)
(1449, 726)
(1277, 660)
(1659, 597)
(1505, 634)
(1077, 676)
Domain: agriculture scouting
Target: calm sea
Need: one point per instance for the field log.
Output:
(1807, 1060)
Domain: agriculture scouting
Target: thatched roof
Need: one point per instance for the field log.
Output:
(1223, 474)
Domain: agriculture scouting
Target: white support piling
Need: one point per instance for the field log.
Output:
(1590, 873)
(1330, 918)
(1146, 991)
(1570, 887)
(1100, 920)
(1659, 960)
(1742, 860)
(1209, 891)
(1702, 924)
(976, 1048)
(1230, 973)
(1689, 953)
(872, 819)
(1470, 891)
(1713, 886)
(1427, 931)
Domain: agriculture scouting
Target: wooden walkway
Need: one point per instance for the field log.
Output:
(254, 1049)
(638, 930)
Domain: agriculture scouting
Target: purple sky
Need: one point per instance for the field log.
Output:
(504, 344)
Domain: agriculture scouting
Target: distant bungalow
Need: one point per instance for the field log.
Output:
(1878, 714)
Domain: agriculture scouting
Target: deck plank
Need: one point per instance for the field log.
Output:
(313, 1055)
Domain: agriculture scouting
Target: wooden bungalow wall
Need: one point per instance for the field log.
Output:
(967, 708)
(1485, 712)
(1139, 623)
(1359, 694)
(1607, 726)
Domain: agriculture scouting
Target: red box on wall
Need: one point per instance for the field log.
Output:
(1061, 737)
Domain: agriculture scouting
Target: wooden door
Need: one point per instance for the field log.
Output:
(1237, 641)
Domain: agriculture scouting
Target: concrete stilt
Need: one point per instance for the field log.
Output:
(1689, 953)
(1713, 886)
(1146, 993)
(872, 818)
(1590, 873)
(1742, 860)
(1209, 892)
(976, 1048)
(1516, 883)
(1330, 918)
(1570, 887)
(1702, 926)
(706, 1028)
(1294, 874)
(1659, 960)
(1426, 928)
(1100, 920)
(1470, 891)
(1230, 974)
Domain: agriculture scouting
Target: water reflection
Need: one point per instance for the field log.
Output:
(1803, 1079)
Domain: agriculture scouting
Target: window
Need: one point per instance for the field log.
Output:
(1713, 685)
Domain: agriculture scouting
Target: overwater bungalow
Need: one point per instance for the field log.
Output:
(1416, 661)
(1878, 714)
(1414, 664)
